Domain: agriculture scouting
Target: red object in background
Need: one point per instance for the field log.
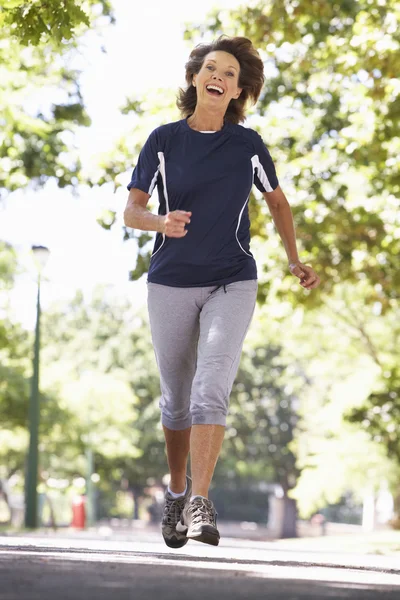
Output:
(78, 512)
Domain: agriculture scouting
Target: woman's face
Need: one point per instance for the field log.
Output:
(217, 81)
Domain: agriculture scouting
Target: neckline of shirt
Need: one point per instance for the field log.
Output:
(194, 131)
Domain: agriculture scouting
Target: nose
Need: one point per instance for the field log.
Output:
(216, 76)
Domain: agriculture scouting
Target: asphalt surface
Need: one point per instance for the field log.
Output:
(53, 568)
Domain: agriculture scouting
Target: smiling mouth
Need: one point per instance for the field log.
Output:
(214, 90)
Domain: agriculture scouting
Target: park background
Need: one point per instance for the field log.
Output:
(315, 409)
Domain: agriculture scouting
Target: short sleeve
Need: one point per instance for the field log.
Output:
(265, 178)
(144, 176)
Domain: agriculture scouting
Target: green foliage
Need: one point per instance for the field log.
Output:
(14, 394)
(329, 118)
(13, 447)
(158, 106)
(380, 414)
(102, 369)
(40, 100)
(14, 387)
(344, 348)
(32, 23)
(8, 265)
(107, 218)
(262, 420)
(142, 263)
(377, 335)
(54, 21)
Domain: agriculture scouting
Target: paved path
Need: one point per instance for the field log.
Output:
(58, 568)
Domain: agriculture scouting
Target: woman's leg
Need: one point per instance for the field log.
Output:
(205, 444)
(174, 322)
(224, 322)
(178, 446)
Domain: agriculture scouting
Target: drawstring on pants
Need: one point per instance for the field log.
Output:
(220, 286)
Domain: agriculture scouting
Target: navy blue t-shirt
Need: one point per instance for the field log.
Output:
(211, 175)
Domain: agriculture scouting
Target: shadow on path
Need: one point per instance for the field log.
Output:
(173, 556)
(44, 577)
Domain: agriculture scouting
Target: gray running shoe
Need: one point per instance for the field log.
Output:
(199, 521)
(173, 508)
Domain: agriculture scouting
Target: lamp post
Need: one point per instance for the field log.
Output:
(90, 502)
(41, 255)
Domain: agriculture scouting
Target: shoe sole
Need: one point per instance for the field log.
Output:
(175, 543)
(207, 535)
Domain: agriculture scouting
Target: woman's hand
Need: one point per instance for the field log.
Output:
(308, 277)
(173, 223)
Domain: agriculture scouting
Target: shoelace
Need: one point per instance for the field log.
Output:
(200, 508)
(172, 510)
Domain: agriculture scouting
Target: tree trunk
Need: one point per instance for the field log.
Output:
(136, 492)
(289, 521)
(4, 495)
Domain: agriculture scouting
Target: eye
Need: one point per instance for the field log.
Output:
(209, 67)
(230, 73)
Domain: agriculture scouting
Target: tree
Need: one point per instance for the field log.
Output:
(261, 423)
(35, 143)
(15, 371)
(54, 22)
(98, 342)
(344, 347)
(329, 114)
(13, 348)
(379, 413)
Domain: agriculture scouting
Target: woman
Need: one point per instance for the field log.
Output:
(202, 281)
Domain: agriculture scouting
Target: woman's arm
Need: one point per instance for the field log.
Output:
(137, 216)
(282, 216)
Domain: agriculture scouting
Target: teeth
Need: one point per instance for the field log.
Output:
(215, 87)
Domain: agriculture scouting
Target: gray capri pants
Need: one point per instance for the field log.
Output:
(198, 335)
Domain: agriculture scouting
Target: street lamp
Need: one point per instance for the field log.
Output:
(41, 255)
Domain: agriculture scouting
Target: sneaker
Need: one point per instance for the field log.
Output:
(199, 521)
(173, 508)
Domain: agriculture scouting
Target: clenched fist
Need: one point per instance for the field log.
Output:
(308, 277)
(173, 223)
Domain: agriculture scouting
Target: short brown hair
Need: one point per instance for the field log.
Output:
(251, 76)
